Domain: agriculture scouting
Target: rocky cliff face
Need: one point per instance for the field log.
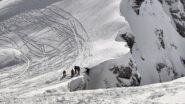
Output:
(177, 10)
(158, 30)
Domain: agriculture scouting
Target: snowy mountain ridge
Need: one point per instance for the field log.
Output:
(123, 42)
(162, 52)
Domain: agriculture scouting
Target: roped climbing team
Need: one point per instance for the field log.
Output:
(75, 71)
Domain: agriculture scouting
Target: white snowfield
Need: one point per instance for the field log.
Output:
(50, 37)
(166, 93)
(39, 39)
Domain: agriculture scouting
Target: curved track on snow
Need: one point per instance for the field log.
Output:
(49, 39)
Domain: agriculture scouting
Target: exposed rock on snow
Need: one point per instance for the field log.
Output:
(156, 38)
(159, 34)
(129, 38)
(136, 5)
(123, 43)
(177, 10)
(114, 73)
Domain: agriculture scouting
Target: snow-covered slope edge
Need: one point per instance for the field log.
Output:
(44, 41)
(164, 93)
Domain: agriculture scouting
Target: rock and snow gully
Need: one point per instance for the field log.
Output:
(124, 43)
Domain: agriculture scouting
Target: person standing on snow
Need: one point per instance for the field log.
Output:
(77, 70)
(75, 67)
(87, 71)
(64, 73)
(72, 73)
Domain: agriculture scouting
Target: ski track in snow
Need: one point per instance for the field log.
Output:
(51, 42)
(44, 39)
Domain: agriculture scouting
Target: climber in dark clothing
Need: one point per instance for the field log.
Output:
(77, 70)
(64, 73)
(72, 73)
(87, 71)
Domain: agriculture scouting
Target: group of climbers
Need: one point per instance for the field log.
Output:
(75, 71)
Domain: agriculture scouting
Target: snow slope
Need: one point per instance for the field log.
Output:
(123, 42)
(166, 93)
(158, 49)
(54, 36)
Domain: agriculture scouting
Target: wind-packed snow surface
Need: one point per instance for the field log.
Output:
(123, 43)
(41, 42)
(166, 93)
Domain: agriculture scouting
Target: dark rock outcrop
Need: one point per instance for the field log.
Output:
(130, 39)
(136, 6)
(178, 15)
